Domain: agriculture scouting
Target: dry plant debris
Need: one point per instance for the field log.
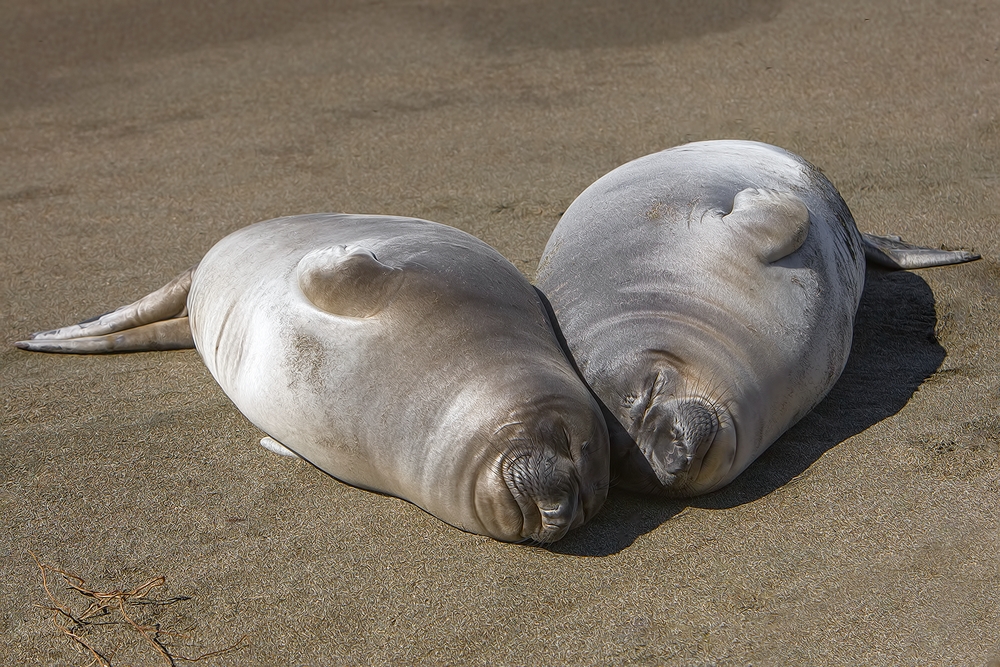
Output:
(112, 609)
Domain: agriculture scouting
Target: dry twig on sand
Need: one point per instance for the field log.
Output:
(111, 608)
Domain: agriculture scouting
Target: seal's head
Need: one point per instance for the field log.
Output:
(549, 473)
(680, 441)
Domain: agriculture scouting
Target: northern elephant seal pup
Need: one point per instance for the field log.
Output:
(396, 354)
(708, 293)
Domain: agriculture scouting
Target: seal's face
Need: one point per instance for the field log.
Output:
(686, 444)
(676, 439)
(550, 474)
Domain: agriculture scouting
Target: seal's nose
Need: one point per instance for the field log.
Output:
(674, 434)
(557, 519)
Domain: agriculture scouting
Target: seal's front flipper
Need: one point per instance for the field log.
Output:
(347, 281)
(272, 445)
(157, 321)
(894, 253)
(772, 224)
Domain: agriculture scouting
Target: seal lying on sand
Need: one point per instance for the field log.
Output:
(397, 355)
(708, 293)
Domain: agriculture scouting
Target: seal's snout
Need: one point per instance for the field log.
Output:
(547, 491)
(557, 519)
(675, 436)
(551, 467)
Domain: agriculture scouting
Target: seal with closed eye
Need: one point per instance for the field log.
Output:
(396, 354)
(707, 294)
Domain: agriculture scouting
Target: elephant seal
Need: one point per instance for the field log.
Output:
(396, 354)
(707, 294)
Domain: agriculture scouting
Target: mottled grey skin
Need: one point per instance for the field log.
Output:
(707, 294)
(396, 354)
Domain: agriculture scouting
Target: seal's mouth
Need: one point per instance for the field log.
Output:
(547, 492)
(556, 521)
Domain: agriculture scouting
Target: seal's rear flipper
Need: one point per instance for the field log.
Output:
(157, 321)
(894, 253)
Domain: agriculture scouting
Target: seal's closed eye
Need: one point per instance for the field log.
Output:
(347, 281)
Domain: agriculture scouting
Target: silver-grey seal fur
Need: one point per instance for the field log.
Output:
(707, 293)
(396, 354)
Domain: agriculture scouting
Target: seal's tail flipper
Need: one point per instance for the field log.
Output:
(157, 321)
(894, 253)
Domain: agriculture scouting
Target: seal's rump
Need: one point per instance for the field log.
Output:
(157, 321)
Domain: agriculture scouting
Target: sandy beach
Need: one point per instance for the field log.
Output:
(133, 136)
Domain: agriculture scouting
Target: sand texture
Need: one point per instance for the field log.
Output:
(134, 135)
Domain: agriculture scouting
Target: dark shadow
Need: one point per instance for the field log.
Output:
(893, 353)
(594, 24)
(622, 520)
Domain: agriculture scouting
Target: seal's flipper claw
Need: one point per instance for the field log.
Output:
(272, 445)
(173, 334)
(894, 253)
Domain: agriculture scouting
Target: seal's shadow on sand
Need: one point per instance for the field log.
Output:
(894, 351)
